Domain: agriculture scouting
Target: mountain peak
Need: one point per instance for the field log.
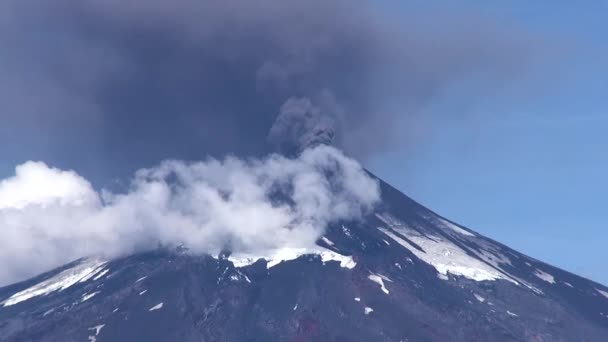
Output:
(403, 273)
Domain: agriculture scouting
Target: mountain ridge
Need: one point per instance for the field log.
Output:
(403, 273)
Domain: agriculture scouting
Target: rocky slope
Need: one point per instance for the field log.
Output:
(403, 274)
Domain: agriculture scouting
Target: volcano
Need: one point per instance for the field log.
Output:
(403, 273)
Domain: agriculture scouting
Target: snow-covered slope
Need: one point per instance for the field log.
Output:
(404, 274)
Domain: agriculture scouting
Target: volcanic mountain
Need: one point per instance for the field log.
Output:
(403, 273)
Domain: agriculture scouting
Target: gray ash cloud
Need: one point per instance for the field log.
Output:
(108, 86)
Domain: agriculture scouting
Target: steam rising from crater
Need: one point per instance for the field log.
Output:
(50, 217)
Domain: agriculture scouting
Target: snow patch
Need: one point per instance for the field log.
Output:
(448, 257)
(457, 229)
(156, 307)
(243, 260)
(327, 241)
(368, 310)
(278, 256)
(92, 274)
(346, 232)
(511, 314)
(467, 272)
(379, 279)
(443, 276)
(272, 258)
(567, 284)
(479, 298)
(143, 292)
(357, 299)
(345, 261)
(59, 282)
(244, 276)
(140, 279)
(492, 257)
(88, 296)
(529, 286)
(603, 293)
(295, 307)
(101, 274)
(545, 276)
(97, 329)
(445, 256)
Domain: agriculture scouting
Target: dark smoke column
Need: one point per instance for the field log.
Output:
(301, 125)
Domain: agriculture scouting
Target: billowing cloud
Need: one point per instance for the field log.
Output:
(49, 217)
(34, 183)
(109, 86)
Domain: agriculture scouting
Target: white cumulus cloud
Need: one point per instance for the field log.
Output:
(35, 183)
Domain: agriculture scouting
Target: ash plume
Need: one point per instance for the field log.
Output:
(109, 86)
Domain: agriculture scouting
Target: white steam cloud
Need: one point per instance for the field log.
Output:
(49, 216)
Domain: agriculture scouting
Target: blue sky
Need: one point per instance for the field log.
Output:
(528, 171)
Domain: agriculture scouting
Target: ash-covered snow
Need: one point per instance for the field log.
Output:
(544, 276)
(345, 261)
(327, 241)
(272, 258)
(379, 279)
(603, 293)
(97, 329)
(442, 254)
(492, 257)
(457, 229)
(88, 296)
(511, 313)
(243, 276)
(82, 272)
(101, 274)
(278, 256)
